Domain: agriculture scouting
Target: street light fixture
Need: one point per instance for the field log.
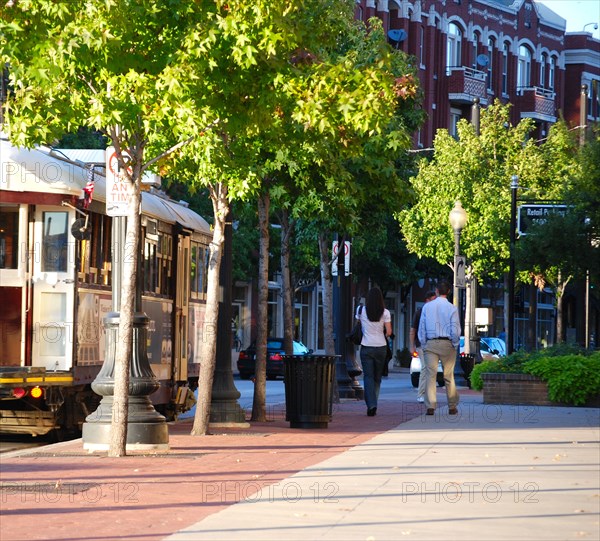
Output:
(589, 24)
(458, 219)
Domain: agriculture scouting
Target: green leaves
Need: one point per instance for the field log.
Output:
(475, 170)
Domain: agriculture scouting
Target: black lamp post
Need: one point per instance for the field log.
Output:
(510, 328)
(224, 407)
(458, 219)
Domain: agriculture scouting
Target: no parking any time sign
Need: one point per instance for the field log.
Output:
(117, 185)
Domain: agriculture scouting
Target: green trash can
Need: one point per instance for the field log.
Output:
(309, 390)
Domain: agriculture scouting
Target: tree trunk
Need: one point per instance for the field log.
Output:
(208, 347)
(259, 412)
(288, 305)
(128, 256)
(327, 295)
(560, 291)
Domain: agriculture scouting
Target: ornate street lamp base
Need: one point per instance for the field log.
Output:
(227, 414)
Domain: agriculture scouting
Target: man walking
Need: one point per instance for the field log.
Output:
(439, 334)
(415, 347)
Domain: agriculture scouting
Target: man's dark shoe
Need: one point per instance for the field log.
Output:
(453, 411)
(430, 411)
(371, 412)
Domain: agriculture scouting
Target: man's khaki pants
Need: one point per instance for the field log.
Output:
(433, 351)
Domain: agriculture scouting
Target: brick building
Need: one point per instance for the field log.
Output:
(514, 50)
(582, 67)
(517, 51)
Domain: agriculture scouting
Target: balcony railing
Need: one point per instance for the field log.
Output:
(465, 83)
(536, 102)
(538, 90)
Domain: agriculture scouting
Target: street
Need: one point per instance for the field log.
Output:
(397, 384)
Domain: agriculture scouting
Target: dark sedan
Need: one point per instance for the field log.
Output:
(275, 350)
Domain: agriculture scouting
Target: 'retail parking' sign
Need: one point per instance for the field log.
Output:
(536, 214)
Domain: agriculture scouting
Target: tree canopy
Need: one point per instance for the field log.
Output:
(476, 170)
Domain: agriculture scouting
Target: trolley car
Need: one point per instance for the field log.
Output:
(55, 289)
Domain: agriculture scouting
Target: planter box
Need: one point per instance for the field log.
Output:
(521, 389)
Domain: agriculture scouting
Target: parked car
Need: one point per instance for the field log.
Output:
(415, 371)
(275, 349)
(496, 345)
(491, 348)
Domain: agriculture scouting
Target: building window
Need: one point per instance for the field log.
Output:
(551, 73)
(422, 47)
(475, 49)
(524, 68)
(490, 64)
(543, 62)
(453, 52)
(592, 97)
(505, 68)
(455, 116)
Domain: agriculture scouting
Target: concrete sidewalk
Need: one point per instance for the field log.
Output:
(492, 472)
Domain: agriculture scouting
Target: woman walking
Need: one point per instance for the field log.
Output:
(376, 323)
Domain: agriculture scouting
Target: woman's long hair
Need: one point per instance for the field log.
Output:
(375, 304)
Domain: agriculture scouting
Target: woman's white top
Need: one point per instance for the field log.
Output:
(373, 330)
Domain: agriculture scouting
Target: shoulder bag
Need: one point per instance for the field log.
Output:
(356, 334)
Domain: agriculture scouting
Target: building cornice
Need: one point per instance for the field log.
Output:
(582, 56)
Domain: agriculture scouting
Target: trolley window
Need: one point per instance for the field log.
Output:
(158, 263)
(95, 253)
(9, 237)
(199, 264)
(150, 278)
(165, 262)
(54, 241)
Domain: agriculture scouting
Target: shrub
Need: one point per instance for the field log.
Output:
(513, 363)
(572, 373)
(572, 379)
(478, 369)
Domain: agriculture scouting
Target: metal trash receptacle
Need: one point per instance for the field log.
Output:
(467, 363)
(309, 390)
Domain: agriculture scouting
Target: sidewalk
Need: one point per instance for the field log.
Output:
(492, 472)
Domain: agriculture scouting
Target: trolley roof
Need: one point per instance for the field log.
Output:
(41, 170)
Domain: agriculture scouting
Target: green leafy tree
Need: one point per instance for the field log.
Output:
(476, 170)
(266, 80)
(562, 248)
(334, 100)
(352, 171)
(106, 66)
